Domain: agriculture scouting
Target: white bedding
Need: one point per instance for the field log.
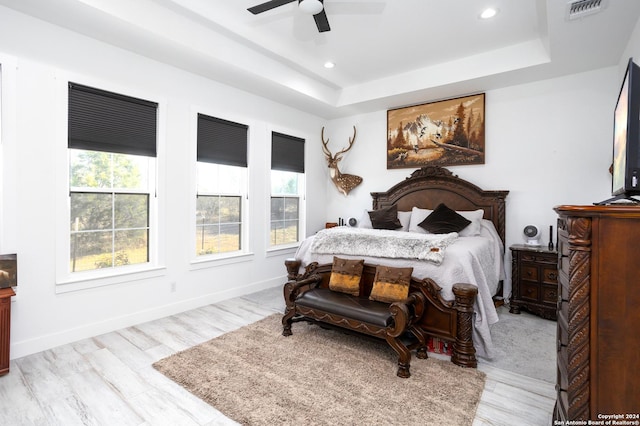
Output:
(476, 260)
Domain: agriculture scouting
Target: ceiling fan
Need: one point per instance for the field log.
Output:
(312, 7)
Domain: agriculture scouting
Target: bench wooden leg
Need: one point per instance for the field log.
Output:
(286, 322)
(404, 357)
(422, 338)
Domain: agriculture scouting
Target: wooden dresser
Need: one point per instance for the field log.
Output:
(534, 278)
(5, 328)
(598, 312)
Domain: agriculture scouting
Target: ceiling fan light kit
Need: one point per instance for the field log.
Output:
(312, 7)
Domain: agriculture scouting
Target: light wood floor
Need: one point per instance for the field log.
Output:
(109, 380)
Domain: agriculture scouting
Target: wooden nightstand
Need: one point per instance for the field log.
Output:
(534, 278)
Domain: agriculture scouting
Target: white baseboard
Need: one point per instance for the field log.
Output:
(26, 347)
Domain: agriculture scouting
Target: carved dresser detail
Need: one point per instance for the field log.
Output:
(598, 312)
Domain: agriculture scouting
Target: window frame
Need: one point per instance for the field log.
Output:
(246, 248)
(243, 196)
(302, 191)
(67, 281)
(115, 191)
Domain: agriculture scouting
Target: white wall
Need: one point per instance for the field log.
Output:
(37, 60)
(548, 143)
(632, 50)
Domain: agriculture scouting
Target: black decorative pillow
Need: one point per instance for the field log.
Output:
(444, 220)
(385, 218)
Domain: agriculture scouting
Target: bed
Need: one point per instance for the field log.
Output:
(476, 258)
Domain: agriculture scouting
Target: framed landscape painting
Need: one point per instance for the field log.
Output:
(8, 270)
(442, 133)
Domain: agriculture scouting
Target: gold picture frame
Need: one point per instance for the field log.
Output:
(442, 133)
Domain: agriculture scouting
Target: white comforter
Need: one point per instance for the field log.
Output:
(475, 260)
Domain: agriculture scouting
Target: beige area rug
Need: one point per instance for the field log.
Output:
(256, 376)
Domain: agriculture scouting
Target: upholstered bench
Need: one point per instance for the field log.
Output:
(318, 299)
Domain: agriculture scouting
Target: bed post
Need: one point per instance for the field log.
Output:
(464, 353)
(292, 265)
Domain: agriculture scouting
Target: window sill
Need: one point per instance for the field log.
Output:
(204, 262)
(83, 281)
(283, 249)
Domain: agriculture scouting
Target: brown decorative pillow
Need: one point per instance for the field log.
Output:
(345, 275)
(391, 284)
(444, 220)
(385, 218)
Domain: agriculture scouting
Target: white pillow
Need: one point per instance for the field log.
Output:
(417, 216)
(365, 221)
(474, 228)
(405, 219)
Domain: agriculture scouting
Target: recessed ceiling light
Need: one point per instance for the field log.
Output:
(488, 13)
(329, 64)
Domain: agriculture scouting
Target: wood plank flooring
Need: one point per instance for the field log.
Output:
(109, 380)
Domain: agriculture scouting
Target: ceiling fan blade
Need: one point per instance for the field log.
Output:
(322, 22)
(268, 6)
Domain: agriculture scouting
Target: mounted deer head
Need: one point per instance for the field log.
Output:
(344, 182)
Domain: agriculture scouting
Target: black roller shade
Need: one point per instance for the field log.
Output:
(287, 153)
(110, 122)
(221, 141)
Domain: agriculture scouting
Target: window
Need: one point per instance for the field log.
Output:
(112, 150)
(221, 186)
(109, 204)
(287, 189)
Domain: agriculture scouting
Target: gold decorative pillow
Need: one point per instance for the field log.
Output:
(391, 284)
(345, 275)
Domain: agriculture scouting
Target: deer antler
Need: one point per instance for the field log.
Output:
(351, 141)
(325, 149)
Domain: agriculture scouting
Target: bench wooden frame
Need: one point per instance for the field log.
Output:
(424, 313)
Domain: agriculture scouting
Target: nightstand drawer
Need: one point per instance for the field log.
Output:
(539, 258)
(529, 272)
(550, 275)
(550, 294)
(530, 291)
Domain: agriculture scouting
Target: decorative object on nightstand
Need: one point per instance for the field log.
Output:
(534, 279)
(531, 235)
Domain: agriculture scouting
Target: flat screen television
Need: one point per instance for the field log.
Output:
(626, 139)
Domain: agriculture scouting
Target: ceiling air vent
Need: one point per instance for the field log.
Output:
(577, 9)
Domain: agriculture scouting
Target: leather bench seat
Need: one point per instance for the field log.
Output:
(347, 306)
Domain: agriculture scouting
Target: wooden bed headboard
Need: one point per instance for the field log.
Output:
(429, 186)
